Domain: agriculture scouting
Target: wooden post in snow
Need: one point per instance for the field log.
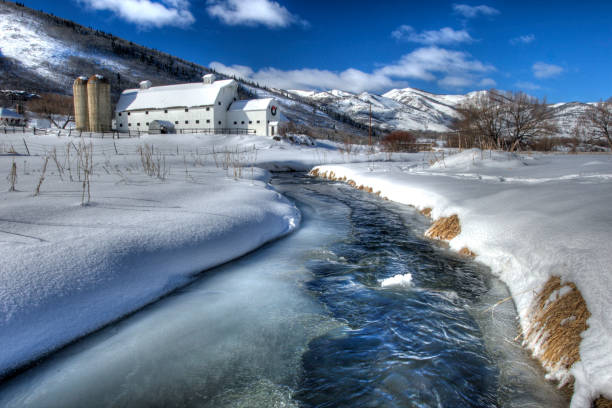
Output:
(370, 131)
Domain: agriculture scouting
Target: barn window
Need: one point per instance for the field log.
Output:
(207, 109)
(235, 123)
(250, 122)
(259, 121)
(128, 113)
(186, 109)
(147, 123)
(242, 123)
(129, 124)
(219, 103)
(176, 122)
(219, 122)
(208, 121)
(138, 124)
(186, 122)
(165, 110)
(146, 112)
(197, 122)
(121, 125)
(119, 113)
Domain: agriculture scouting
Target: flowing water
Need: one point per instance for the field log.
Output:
(311, 320)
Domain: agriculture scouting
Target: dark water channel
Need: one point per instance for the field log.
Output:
(310, 320)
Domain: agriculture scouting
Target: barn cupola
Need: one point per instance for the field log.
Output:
(145, 84)
(209, 79)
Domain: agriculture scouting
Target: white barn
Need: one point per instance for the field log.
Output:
(209, 106)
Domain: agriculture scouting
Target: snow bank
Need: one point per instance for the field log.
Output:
(69, 269)
(528, 218)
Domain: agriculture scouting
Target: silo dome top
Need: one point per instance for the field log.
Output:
(99, 78)
(81, 80)
(145, 84)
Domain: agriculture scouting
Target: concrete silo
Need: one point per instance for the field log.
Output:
(81, 112)
(99, 104)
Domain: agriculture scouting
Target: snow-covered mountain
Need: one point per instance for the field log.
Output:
(389, 111)
(407, 109)
(414, 109)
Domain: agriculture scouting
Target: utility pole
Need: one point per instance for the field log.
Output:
(370, 131)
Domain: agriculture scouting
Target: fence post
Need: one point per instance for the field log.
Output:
(26, 146)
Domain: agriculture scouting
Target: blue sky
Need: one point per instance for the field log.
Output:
(561, 50)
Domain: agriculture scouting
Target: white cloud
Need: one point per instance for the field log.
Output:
(543, 70)
(351, 79)
(474, 11)
(487, 83)
(424, 63)
(252, 12)
(522, 39)
(451, 69)
(530, 86)
(443, 36)
(147, 13)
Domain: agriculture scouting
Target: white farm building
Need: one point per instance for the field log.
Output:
(209, 106)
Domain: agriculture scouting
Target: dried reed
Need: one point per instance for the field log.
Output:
(444, 228)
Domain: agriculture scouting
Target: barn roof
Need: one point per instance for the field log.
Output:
(251, 105)
(9, 113)
(172, 96)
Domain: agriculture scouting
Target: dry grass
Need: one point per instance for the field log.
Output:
(426, 212)
(602, 402)
(445, 228)
(557, 322)
(12, 177)
(465, 251)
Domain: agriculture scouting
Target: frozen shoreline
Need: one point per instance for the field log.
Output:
(69, 269)
(528, 218)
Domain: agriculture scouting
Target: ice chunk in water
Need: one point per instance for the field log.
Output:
(404, 280)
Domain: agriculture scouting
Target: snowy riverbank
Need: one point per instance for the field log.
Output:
(529, 218)
(161, 209)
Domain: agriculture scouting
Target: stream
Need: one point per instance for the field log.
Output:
(311, 320)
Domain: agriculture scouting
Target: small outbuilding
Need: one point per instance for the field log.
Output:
(260, 115)
(9, 117)
(39, 123)
(162, 127)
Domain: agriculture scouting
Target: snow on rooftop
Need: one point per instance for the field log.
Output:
(251, 104)
(169, 96)
(9, 113)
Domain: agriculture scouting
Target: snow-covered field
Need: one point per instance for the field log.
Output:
(528, 218)
(68, 268)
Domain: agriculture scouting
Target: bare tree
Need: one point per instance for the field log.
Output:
(399, 141)
(482, 119)
(526, 118)
(599, 118)
(50, 105)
